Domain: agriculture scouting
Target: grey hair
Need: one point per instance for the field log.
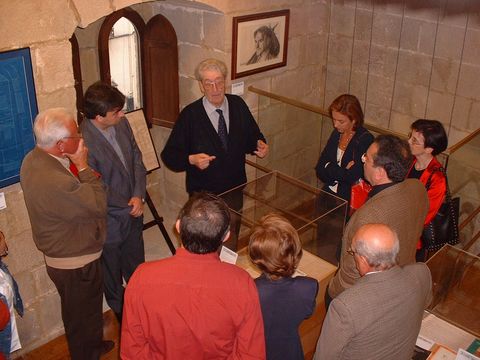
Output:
(50, 126)
(380, 259)
(210, 64)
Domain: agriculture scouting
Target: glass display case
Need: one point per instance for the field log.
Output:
(456, 290)
(318, 216)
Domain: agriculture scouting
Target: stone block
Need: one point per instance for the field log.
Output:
(383, 61)
(295, 55)
(377, 114)
(91, 11)
(28, 22)
(178, 16)
(400, 122)
(455, 13)
(468, 81)
(418, 35)
(473, 123)
(17, 216)
(471, 49)
(444, 75)
(43, 284)
(29, 329)
(49, 311)
(318, 17)
(23, 254)
(410, 99)
(214, 30)
(53, 64)
(337, 81)
(414, 68)
(358, 85)
(427, 10)
(361, 57)
(342, 20)
(474, 16)
(340, 50)
(379, 90)
(298, 19)
(461, 112)
(386, 29)
(282, 84)
(440, 106)
(365, 4)
(65, 97)
(388, 7)
(449, 42)
(363, 25)
(316, 49)
(120, 4)
(26, 286)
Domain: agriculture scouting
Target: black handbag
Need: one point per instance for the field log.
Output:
(443, 229)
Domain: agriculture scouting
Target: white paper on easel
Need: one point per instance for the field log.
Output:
(228, 256)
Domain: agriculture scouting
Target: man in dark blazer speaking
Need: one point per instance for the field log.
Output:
(114, 153)
(212, 135)
(380, 316)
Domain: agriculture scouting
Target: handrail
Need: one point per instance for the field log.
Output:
(469, 218)
(464, 141)
(318, 110)
(472, 241)
(290, 101)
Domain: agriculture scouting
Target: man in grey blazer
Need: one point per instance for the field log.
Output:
(380, 316)
(400, 204)
(114, 154)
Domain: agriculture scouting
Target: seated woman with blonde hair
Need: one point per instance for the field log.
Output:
(285, 300)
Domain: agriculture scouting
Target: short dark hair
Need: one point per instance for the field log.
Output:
(275, 246)
(101, 98)
(394, 156)
(204, 223)
(434, 134)
(349, 106)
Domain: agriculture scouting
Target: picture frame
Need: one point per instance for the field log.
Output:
(18, 109)
(259, 42)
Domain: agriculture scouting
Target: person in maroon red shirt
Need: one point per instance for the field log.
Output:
(192, 305)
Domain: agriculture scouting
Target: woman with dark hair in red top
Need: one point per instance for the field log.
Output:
(427, 139)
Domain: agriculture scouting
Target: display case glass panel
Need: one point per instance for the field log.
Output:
(456, 290)
(318, 216)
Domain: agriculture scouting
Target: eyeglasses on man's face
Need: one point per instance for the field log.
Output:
(351, 252)
(76, 136)
(217, 84)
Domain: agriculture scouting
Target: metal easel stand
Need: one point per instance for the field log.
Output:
(157, 220)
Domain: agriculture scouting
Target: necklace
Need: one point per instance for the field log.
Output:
(344, 140)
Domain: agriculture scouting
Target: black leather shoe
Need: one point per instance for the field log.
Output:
(107, 346)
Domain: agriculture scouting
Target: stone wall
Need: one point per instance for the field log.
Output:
(401, 61)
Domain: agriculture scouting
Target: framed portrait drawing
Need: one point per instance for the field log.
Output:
(259, 42)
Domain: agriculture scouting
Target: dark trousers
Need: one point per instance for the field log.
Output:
(122, 253)
(81, 294)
